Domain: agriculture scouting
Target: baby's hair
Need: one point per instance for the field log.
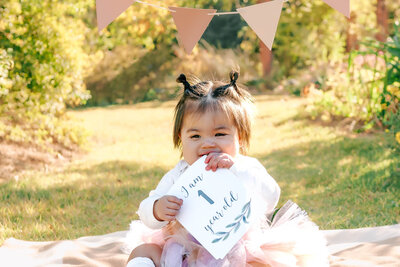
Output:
(229, 98)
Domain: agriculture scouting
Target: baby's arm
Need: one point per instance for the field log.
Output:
(154, 209)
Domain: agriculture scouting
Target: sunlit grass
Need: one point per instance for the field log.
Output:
(341, 180)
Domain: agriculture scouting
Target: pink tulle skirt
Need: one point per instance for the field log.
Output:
(291, 239)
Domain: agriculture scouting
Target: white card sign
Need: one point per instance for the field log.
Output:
(215, 209)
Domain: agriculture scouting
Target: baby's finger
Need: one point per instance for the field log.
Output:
(221, 163)
(174, 199)
(208, 166)
(224, 163)
(209, 157)
(212, 165)
(173, 206)
(171, 212)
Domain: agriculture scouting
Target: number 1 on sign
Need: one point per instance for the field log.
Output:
(202, 194)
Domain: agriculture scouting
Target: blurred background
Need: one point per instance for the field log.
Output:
(52, 57)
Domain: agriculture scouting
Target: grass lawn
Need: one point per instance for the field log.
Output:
(340, 179)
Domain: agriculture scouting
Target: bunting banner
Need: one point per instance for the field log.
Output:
(265, 29)
(107, 11)
(191, 24)
(343, 6)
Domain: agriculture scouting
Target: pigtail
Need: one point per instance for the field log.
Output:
(223, 90)
(233, 75)
(188, 90)
(182, 79)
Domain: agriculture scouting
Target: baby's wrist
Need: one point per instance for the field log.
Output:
(155, 213)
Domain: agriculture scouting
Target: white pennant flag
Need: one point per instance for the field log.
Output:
(263, 19)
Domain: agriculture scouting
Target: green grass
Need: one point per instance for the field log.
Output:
(341, 180)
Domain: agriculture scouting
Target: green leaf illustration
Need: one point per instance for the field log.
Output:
(248, 212)
(245, 207)
(239, 216)
(235, 225)
(216, 240)
(230, 225)
(221, 233)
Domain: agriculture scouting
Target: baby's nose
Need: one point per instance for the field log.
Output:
(209, 142)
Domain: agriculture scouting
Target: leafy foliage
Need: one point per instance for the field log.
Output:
(127, 75)
(222, 32)
(369, 89)
(354, 90)
(309, 32)
(43, 65)
(390, 100)
(48, 48)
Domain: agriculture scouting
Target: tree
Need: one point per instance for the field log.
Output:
(265, 54)
(45, 73)
(382, 20)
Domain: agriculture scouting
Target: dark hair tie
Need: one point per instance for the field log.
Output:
(234, 75)
(182, 79)
(188, 88)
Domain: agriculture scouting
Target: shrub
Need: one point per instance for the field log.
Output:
(352, 91)
(390, 100)
(42, 65)
(368, 88)
(128, 75)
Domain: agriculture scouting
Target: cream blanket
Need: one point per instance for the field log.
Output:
(377, 246)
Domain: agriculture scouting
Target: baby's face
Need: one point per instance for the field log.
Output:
(208, 132)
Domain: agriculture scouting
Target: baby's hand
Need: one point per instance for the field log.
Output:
(166, 208)
(218, 160)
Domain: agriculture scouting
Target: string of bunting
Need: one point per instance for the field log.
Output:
(191, 23)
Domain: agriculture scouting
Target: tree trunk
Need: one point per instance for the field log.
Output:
(265, 53)
(382, 20)
(351, 35)
(265, 58)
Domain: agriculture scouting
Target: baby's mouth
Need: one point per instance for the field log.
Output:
(208, 152)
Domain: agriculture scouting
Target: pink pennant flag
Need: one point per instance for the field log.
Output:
(191, 24)
(108, 10)
(263, 19)
(343, 6)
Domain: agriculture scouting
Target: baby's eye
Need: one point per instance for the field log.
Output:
(220, 134)
(195, 136)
